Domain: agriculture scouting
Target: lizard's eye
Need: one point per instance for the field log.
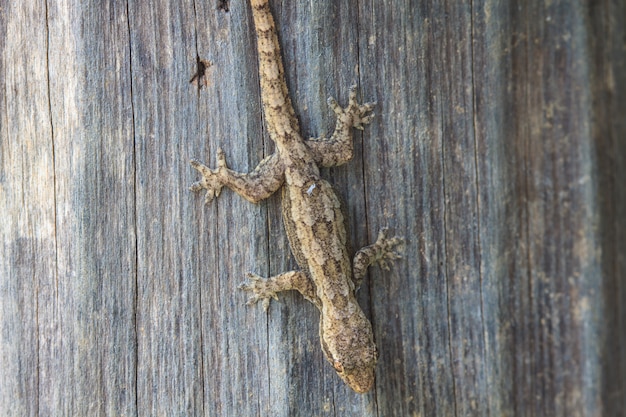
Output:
(338, 366)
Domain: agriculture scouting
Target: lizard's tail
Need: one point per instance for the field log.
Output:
(279, 111)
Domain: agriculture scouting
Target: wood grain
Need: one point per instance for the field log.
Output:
(498, 151)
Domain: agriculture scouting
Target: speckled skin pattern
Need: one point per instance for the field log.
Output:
(312, 214)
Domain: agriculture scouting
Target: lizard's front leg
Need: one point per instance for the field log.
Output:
(338, 149)
(383, 251)
(255, 186)
(262, 289)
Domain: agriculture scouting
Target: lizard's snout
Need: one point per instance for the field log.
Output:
(360, 380)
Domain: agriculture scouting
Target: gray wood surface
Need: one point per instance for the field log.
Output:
(499, 152)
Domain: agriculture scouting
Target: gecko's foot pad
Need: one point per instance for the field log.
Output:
(355, 115)
(261, 289)
(387, 249)
(210, 181)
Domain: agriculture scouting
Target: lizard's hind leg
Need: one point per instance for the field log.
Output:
(255, 186)
(354, 116)
(339, 148)
(382, 252)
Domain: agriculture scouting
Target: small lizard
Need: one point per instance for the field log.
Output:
(314, 221)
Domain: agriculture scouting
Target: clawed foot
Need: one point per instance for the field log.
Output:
(387, 249)
(210, 178)
(355, 115)
(260, 289)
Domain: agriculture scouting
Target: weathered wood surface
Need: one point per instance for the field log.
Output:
(499, 151)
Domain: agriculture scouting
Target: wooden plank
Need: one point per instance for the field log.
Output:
(27, 204)
(497, 151)
(503, 269)
(607, 70)
(561, 214)
(404, 190)
(170, 265)
(232, 232)
(87, 350)
(68, 194)
(461, 241)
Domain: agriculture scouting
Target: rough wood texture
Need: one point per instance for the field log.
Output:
(499, 151)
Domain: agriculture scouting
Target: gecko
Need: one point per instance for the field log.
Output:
(312, 215)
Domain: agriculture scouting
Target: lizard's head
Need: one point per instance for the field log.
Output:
(351, 351)
(359, 376)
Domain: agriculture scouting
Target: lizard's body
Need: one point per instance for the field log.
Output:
(312, 214)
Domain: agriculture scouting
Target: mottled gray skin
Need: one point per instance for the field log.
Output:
(312, 214)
